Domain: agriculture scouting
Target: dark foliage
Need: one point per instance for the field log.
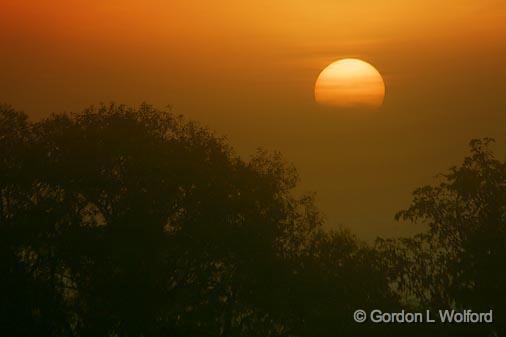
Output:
(123, 221)
(132, 222)
(459, 262)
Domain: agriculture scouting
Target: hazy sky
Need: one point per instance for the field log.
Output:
(247, 70)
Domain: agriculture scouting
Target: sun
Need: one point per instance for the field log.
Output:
(349, 84)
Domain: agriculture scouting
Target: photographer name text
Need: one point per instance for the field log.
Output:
(440, 316)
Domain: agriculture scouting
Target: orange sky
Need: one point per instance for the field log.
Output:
(247, 70)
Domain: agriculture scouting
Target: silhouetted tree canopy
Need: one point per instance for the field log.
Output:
(459, 262)
(122, 221)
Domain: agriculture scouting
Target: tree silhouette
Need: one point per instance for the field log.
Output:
(458, 262)
(123, 221)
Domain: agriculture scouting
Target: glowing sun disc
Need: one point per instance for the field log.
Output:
(350, 83)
